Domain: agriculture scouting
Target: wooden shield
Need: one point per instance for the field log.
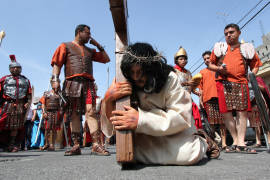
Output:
(260, 103)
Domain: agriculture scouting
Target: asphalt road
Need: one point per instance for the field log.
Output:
(28, 165)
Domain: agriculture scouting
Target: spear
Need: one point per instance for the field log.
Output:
(2, 35)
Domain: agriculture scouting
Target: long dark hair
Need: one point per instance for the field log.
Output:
(153, 65)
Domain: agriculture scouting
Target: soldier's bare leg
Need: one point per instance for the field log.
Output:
(231, 126)
(52, 140)
(241, 126)
(223, 135)
(47, 134)
(258, 135)
(12, 143)
(60, 137)
(91, 119)
(75, 134)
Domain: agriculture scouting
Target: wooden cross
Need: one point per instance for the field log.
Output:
(124, 139)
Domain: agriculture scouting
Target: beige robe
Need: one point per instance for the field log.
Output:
(164, 134)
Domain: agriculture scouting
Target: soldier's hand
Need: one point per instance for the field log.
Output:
(55, 86)
(184, 84)
(194, 84)
(45, 115)
(118, 90)
(26, 105)
(125, 120)
(93, 42)
(201, 105)
(222, 70)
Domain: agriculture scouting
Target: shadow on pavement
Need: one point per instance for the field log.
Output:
(17, 155)
(138, 166)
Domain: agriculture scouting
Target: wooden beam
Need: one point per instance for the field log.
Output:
(124, 139)
(119, 14)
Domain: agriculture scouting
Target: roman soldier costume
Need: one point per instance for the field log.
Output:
(79, 91)
(51, 110)
(15, 96)
(184, 76)
(230, 86)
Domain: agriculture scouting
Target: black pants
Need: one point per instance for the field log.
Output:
(28, 134)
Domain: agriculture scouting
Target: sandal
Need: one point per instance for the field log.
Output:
(99, 151)
(75, 150)
(245, 150)
(223, 148)
(257, 146)
(213, 150)
(44, 148)
(230, 149)
(15, 149)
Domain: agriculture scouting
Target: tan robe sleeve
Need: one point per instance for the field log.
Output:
(175, 118)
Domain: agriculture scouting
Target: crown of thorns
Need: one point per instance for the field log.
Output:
(148, 58)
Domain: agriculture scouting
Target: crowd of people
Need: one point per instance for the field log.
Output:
(166, 122)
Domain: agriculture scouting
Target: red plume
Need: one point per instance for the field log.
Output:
(12, 58)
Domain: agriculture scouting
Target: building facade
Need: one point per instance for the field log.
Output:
(264, 54)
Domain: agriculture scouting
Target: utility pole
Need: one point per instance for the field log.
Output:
(108, 78)
(223, 16)
(261, 27)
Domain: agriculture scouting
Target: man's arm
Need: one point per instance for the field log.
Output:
(58, 59)
(201, 98)
(34, 115)
(29, 97)
(55, 74)
(255, 70)
(170, 118)
(106, 57)
(255, 64)
(101, 50)
(56, 70)
(215, 68)
(115, 92)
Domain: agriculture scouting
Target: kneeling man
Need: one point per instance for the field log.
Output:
(161, 112)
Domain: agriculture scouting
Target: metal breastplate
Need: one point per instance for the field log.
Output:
(16, 88)
(76, 63)
(184, 77)
(52, 101)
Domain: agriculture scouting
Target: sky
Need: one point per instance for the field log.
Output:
(35, 28)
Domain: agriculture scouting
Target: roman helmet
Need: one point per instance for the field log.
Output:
(180, 52)
(14, 63)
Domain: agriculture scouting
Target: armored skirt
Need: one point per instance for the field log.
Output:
(52, 120)
(213, 114)
(79, 91)
(233, 96)
(12, 115)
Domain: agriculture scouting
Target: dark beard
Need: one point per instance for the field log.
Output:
(149, 87)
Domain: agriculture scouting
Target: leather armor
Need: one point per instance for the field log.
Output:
(75, 62)
(52, 101)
